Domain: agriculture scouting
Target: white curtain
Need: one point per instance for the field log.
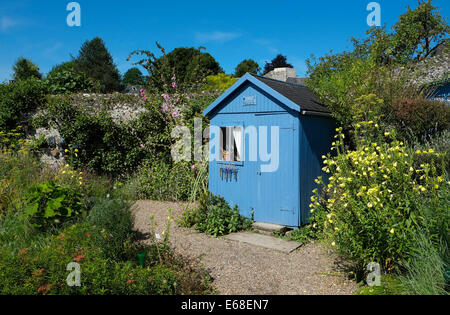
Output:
(237, 135)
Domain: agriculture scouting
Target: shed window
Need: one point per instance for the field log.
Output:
(231, 144)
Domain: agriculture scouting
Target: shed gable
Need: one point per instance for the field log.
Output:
(249, 98)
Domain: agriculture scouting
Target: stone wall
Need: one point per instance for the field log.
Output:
(121, 107)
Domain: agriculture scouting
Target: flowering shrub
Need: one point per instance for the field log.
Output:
(371, 204)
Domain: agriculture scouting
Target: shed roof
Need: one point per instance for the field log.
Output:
(295, 96)
(297, 93)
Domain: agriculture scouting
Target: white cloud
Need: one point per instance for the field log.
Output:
(6, 23)
(268, 44)
(217, 36)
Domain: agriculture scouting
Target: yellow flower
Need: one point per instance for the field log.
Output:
(66, 150)
(333, 244)
(392, 231)
(76, 150)
(387, 134)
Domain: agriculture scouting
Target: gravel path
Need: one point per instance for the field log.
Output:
(242, 269)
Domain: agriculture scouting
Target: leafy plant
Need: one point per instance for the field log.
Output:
(215, 217)
(67, 82)
(51, 204)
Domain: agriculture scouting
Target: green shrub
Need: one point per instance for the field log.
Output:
(18, 99)
(220, 82)
(115, 220)
(423, 118)
(49, 204)
(214, 216)
(68, 81)
(372, 206)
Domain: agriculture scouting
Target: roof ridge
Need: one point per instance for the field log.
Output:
(279, 81)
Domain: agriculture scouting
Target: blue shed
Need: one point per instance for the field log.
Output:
(267, 139)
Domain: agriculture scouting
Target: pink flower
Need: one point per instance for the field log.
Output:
(165, 108)
(165, 96)
(142, 145)
(193, 167)
(145, 98)
(174, 85)
(142, 92)
(175, 114)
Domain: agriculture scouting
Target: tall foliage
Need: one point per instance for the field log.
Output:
(95, 61)
(25, 69)
(189, 66)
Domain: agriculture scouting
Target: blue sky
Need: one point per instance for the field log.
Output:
(230, 30)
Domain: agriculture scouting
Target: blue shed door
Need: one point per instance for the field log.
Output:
(276, 192)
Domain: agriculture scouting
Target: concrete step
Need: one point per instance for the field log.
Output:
(265, 241)
(269, 228)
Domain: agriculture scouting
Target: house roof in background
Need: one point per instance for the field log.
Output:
(295, 96)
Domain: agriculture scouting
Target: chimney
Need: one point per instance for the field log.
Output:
(282, 74)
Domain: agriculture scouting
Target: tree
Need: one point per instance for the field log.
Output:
(418, 31)
(279, 61)
(189, 65)
(248, 65)
(95, 61)
(25, 69)
(65, 66)
(133, 77)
